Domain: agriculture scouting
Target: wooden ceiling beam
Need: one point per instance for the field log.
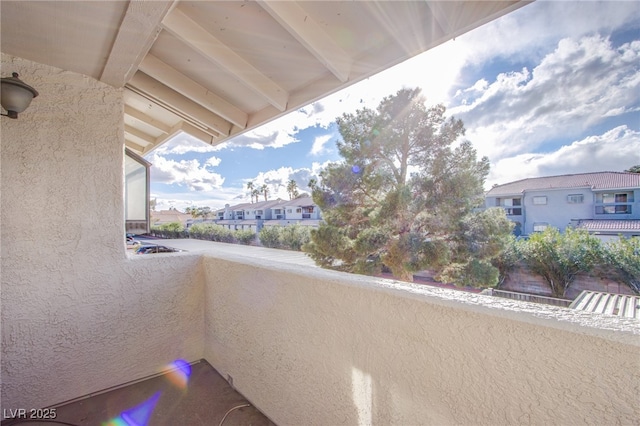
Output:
(197, 38)
(137, 33)
(177, 81)
(293, 18)
(177, 103)
(144, 118)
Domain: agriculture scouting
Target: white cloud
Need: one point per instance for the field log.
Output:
(616, 150)
(573, 88)
(188, 173)
(182, 144)
(319, 144)
(528, 32)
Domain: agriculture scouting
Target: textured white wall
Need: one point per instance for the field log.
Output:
(310, 346)
(78, 315)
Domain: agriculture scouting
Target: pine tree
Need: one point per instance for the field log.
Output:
(404, 194)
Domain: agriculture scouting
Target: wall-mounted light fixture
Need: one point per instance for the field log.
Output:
(16, 95)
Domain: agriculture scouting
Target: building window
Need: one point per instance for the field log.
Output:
(541, 200)
(298, 210)
(614, 209)
(614, 198)
(575, 198)
(288, 210)
(278, 211)
(508, 202)
(540, 226)
(258, 211)
(510, 211)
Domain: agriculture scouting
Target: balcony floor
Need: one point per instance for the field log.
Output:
(205, 400)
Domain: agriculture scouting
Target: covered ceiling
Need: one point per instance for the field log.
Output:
(216, 69)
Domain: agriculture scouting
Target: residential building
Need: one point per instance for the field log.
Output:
(605, 203)
(162, 217)
(278, 212)
(305, 345)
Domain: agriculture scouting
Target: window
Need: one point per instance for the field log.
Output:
(575, 198)
(614, 198)
(259, 212)
(540, 226)
(136, 192)
(278, 211)
(541, 200)
(288, 210)
(614, 209)
(509, 202)
(298, 210)
(513, 211)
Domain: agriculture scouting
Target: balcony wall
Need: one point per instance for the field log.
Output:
(310, 346)
(79, 315)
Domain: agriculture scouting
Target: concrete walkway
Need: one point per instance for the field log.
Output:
(192, 245)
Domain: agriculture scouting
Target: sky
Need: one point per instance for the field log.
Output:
(550, 89)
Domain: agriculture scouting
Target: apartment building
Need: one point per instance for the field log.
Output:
(605, 203)
(278, 212)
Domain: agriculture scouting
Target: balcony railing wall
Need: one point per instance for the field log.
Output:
(310, 346)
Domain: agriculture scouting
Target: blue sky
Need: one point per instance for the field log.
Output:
(552, 88)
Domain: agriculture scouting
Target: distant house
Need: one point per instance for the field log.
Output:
(168, 216)
(278, 212)
(607, 204)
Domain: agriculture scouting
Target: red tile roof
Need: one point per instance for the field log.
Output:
(609, 225)
(595, 181)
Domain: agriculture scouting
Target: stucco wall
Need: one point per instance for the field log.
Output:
(310, 346)
(78, 315)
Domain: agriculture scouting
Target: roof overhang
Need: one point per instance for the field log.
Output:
(216, 69)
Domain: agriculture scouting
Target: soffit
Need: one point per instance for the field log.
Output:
(216, 69)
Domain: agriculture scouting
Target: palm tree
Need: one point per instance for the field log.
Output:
(313, 183)
(255, 193)
(265, 190)
(292, 189)
(250, 188)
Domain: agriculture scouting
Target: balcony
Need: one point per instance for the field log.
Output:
(303, 344)
(312, 346)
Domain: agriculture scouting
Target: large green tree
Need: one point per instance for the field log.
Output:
(404, 196)
(623, 256)
(560, 257)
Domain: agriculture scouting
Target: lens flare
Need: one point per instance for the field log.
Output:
(178, 373)
(136, 416)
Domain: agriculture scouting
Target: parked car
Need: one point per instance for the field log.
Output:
(147, 249)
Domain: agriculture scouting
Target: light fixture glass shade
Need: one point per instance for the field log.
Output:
(15, 94)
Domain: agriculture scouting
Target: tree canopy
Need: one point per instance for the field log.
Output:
(405, 195)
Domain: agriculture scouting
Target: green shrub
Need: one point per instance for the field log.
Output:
(270, 236)
(558, 258)
(293, 237)
(169, 230)
(623, 259)
(245, 236)
(212, 232)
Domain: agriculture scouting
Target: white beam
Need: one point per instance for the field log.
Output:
(132, 131)
(178, 103)
(196, 37)
(174, 79)
(303, 28)
(134, 146)
(199, 134)
(144, 118)
(139, 29)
